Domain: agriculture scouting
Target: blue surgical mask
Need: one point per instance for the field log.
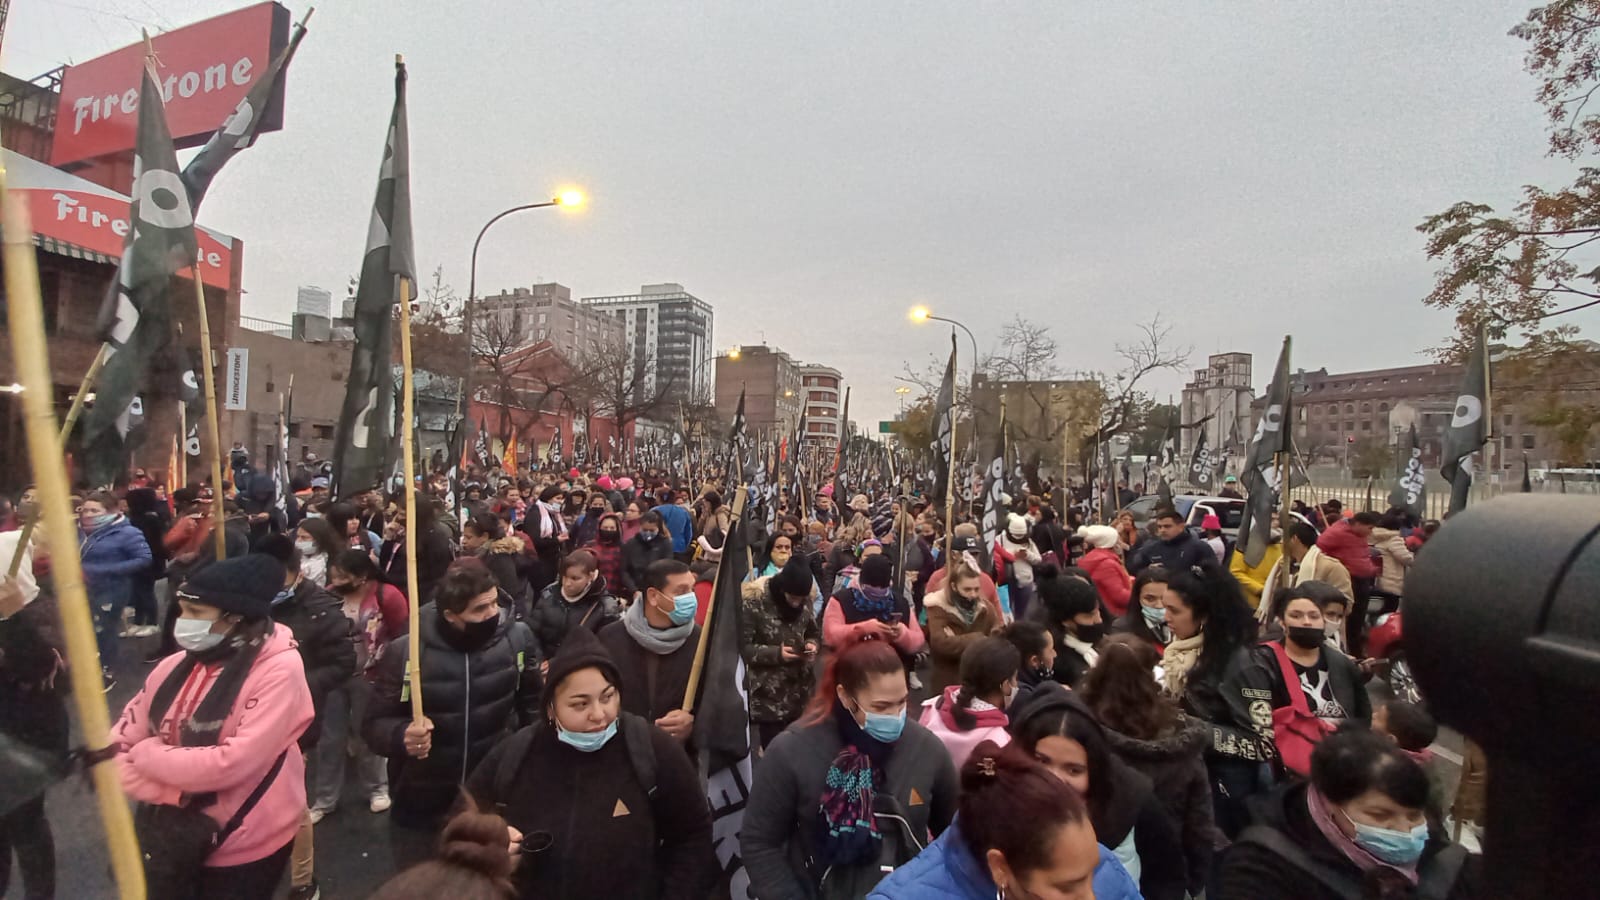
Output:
(1154, 615)
(1398, 848)
(684, 606)
(885, 727)
(587, 741)
(282, 595)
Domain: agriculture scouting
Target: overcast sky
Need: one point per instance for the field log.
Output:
(813, 170)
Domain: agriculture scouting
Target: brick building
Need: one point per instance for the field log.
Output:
(770, 381)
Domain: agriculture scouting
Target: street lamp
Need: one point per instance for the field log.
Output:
(920, 314)
(902, 390)
(567, 198)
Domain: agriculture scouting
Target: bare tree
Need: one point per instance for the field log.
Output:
(1127, 404)
(520, 376)
(1027, 352)
(609, 381)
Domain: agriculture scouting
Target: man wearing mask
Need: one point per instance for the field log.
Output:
(649, 545)
(480, 681)
(654, 646)
(322, 635)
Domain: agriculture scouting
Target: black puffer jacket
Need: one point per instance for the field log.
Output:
(637, 555)
(552, 616)
(473, 696)
(1175, 764)
(323, 633)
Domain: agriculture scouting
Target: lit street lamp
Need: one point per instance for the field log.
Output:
(921, 314)
(569, 199)
(902, 390)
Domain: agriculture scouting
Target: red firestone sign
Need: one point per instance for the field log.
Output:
(205, 70)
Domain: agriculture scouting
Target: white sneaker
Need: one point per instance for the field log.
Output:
(380, 801)
(317, 814)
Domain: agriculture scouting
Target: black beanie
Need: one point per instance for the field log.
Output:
(244, 585)
(795, 579)
(580, 650)
(877, 571)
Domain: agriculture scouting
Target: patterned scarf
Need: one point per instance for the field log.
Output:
(847, 832)
(873, 602)
(1180, 657)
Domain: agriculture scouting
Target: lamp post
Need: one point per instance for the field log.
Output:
(568, 199)
(922, 314)
(902, 390)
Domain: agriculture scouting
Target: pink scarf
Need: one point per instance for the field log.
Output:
(1322, 814)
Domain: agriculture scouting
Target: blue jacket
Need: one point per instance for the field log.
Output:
(948, 871)
(676, 518)
(112, 555)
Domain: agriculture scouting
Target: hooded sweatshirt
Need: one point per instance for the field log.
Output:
(939, 717)
(279, 704)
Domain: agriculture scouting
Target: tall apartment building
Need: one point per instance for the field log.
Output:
(1219, 398)
(770, 381)
(668, 334)
(546, 312)
(824, 396)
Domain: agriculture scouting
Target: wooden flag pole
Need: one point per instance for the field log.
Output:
(213, 429)
(28, 344)
(408, 401)
(1285, 517)
(66, 432)
(711, 610)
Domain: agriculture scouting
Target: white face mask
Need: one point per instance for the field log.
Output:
(306, 548)
(195, 635)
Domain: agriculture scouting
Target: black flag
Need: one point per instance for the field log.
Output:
(721, 710)
(1260, 476)
(1527, 483)
(1202, 468)
(239, 130)
(367, 422)
(994, 482)
(1411, 483)
(480, 448)
(944, 426)
(841, 483)
(1468, 431)
(136, 321)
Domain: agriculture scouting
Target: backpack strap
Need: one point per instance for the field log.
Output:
(1291, 681)
(641, 752)
(237, 819)
(1275, 841)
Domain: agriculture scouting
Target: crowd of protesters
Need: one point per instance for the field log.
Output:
(1056, 710)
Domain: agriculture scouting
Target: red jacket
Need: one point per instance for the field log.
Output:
(1110, 579)
(1349, 548)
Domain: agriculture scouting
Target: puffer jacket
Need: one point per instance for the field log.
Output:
(947, 870)
(637, 555)
(1396, 559)
(552, 616)
(274, 692)
(473, 697)
(322, 633)
(1174, 762)
(112, 555)
(1110, 578)
(505, 561)
(778, 689)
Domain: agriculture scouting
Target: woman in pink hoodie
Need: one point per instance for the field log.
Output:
(218, 721)
(974, 711)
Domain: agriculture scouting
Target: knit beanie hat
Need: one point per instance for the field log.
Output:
(1102, 536)
(1016, 527)
(877, 571)
(549, 493)
(604, 483)
(795, 579)
(580, 650)
(244, 585)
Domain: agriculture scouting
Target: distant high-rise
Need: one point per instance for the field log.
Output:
(668, 333)
(545, 312)
(314, 301)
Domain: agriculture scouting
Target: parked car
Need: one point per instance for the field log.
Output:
(1194, 509)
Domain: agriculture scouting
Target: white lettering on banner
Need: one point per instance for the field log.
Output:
(1415, 478)
(728, 791)
(1270, 421)
(211, 78)
(71, 209)
(359, 434)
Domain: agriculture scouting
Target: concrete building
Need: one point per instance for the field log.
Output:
(319, 369)
(824, 396)
(668, 334)
(545, 312)
(770, 380)
(1219, 398)
(314, 301)
(1046, 419)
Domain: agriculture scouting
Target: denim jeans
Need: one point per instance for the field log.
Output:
(106, 611)
(342, 712)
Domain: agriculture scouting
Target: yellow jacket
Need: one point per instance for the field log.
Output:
(1254, 578)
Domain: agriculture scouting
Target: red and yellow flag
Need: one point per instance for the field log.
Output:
(509, 463)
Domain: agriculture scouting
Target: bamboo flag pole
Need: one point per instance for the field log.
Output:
(408, 401)
(950, 481)
(711, 610)
(213, 429)
(26, 323)
(1285, 517)
(67, 424)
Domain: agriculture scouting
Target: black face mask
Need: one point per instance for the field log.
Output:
(609, 537)
(1306, 637)
(1089, 634)
(479, 633)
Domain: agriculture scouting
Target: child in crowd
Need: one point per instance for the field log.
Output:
(1414, 730)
